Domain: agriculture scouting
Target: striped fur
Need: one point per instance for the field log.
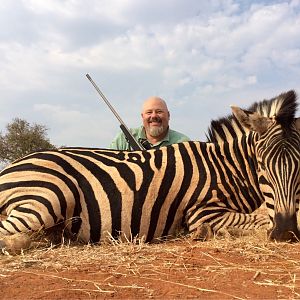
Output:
(280, 148)
(283, 107)
(99, 193)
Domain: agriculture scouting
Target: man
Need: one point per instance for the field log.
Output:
(155, 131)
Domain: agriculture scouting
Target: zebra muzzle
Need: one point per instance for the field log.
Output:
(285, 229)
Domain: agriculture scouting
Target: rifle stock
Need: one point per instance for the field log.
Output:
(130, 138)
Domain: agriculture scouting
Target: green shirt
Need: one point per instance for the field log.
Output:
(172, 137)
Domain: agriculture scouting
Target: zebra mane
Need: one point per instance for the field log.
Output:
(283, 108)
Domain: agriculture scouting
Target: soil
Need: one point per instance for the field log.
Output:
(180, 269)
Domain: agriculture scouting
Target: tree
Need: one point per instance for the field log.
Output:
(21, 138)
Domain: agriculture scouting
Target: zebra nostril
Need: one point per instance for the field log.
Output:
(288, 236)
(285, 229)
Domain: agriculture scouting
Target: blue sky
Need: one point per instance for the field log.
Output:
(200, 56)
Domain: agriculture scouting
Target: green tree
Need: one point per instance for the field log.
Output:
(21, 138)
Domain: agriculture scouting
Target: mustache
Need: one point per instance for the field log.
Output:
(154, 119)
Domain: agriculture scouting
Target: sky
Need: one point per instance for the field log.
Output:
(200, 56)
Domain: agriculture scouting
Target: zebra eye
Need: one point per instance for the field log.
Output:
(261, 166)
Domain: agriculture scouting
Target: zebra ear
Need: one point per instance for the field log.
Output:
(252, 120)
(297, 122)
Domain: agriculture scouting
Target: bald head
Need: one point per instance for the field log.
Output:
(156, 116)
(154, 102)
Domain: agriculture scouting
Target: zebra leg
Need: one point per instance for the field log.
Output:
(16, 227)
(203, 224)
(14, 243)
(203, 232)
(13, 238)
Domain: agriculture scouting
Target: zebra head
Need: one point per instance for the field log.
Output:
(276, 143)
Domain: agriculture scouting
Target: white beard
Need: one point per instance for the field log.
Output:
(156, 131)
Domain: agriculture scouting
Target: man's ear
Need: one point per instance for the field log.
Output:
(252, 120)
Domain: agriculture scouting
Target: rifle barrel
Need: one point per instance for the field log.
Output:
(133, 143)
(105, 99)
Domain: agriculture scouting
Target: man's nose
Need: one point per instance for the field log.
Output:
(153, 114)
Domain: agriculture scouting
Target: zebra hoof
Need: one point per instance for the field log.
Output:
(14, 244)
(202, 233)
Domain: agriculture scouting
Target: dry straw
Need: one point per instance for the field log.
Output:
(137, 268)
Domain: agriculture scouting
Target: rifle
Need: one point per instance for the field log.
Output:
(130, 138)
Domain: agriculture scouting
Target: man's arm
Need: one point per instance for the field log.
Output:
(119, 142)
(177, 137)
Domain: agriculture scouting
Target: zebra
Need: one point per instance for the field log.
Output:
(230, 128)
(198, 187)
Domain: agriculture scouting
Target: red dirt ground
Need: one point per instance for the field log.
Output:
(179, 269)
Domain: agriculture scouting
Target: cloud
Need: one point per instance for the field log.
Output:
(199, 56)
(73, 124)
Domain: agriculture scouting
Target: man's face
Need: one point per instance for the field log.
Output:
(155, 117)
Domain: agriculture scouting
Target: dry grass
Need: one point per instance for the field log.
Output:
(72, 255)
(140, 267)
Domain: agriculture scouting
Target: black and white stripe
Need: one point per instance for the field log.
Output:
(101, 193)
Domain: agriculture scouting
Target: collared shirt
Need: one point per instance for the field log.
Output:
(172, 137)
